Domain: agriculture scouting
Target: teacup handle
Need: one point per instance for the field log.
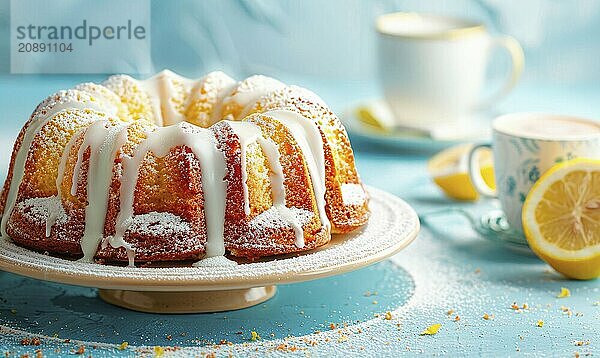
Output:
(475, 172)
(514, 49)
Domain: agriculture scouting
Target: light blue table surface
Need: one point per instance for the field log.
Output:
(447, 268)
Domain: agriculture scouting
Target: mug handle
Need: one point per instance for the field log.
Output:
(474, 170)
(514, 49)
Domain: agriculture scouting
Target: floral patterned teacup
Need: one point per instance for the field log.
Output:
(525, 146)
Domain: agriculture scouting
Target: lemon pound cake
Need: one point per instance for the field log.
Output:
(172, 169)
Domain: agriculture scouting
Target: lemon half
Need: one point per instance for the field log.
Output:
(449, 169)
(561, 218)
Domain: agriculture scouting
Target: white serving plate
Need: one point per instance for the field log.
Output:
(393, 225)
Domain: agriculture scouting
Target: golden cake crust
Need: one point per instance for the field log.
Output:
(170, 221)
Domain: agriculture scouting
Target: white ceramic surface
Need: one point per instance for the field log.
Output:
(433, 68)
(409, 140)
(522, 154)
(393, 225)
(188, 302)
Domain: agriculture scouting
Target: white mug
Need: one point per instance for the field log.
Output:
(525, 146)
(432, 68)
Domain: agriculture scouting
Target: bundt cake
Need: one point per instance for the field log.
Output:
(171, 169)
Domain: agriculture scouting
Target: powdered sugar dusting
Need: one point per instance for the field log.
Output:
(353, 194)
(39, 209)
(394, 225)
(159, 224)
(122, 97)
(272, 218)
(215, 261)
(247, 93)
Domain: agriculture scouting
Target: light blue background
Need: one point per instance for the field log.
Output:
(335, 39)
(123, 52)
(328, 46)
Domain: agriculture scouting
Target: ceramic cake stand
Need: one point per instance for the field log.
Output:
(218, 284)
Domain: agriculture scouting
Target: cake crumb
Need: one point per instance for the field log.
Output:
(582, 343)
(540, 323)
(254, 336)
(488, 317)
(35, 341)
(80, 350)
(123, 346)
(283, 347)
(388, 316)
(566, 310)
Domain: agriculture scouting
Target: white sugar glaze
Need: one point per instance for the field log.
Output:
(103, 140)
(166, 96)
(202, 142)
(250, 91)
(161, 88)
(271, 150)
(307, 135)
(53, 105)
(247, 134)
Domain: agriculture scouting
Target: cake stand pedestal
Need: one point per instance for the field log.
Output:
(188, 302)
(223, 287)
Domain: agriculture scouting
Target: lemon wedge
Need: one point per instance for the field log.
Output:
(561, 218)
(449, 168)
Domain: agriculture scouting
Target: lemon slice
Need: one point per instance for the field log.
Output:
(449, 168)
(561, 218)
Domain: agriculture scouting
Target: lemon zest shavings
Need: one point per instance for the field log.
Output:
(564, 292)
(431, 330)
(255, 336)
